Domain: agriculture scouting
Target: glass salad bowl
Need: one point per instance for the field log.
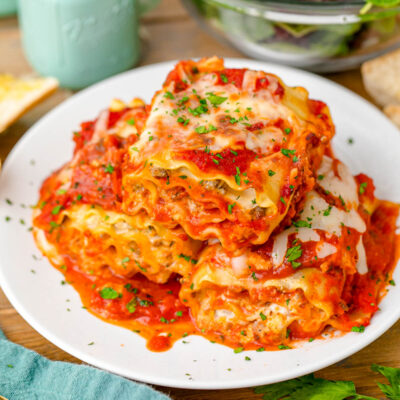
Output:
(319, 35)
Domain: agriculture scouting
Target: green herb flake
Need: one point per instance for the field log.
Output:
(287, 152)
(109, 293)
(169, 95)
(238, 350)
(292, 254)
(56, 209)
(327, 211)
(301, 224)
(362, 188)
(109, 169)
(215, 100)
(131, 306)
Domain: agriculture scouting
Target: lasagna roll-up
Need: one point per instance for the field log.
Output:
(321, 270)
(79, 215)
(225, 153)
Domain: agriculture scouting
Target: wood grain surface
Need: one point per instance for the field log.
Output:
(168, 33)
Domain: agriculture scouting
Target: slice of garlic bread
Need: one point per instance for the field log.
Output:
(18, 95)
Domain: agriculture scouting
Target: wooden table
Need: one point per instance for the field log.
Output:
(169, 33)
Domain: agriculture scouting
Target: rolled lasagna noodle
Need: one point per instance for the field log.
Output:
(225, 153)
(292, 285)
(80, 213)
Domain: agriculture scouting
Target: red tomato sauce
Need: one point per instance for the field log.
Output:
(225, 162)
(150, 309)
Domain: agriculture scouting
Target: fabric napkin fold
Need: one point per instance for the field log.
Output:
(25, 375)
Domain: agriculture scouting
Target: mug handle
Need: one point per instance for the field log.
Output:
(145, 6)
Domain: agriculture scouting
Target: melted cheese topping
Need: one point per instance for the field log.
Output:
(362, 267)
(343, 185)
(187, 131)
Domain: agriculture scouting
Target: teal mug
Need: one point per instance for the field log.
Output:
(8, 7)
(81, 42)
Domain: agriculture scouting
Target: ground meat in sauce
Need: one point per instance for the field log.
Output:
(257, 212)
(159, 172)
(217, 185)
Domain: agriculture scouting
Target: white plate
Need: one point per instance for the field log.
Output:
(43, 301)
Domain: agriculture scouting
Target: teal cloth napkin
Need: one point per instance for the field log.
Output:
(25, 375)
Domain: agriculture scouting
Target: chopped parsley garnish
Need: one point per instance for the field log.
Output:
(203, 129)
(79, 197)
(169, 95)
(131, 306)
(125, 260)
(287, 131)
(282, 200)
(392, 282)
(9, 202)
(179, 313)
(215, 100)
(230, 207)
(359, 329)
(183, 100)
(130, 121)
(56, 209)
(109, 293)
(247, 358)
(363, 187)
(260, 349)
(301, 224)
(263, 316)
(183, 121)
(234, 152)
(287, 152)
(283, 347)
(215, 161)
(271, 173)
(238, 350)
(320, 177)
(224, 78)
(292, 254)
(237, 176)
(109, 169)
(187, 258)
(327, 211)
(253, 275)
